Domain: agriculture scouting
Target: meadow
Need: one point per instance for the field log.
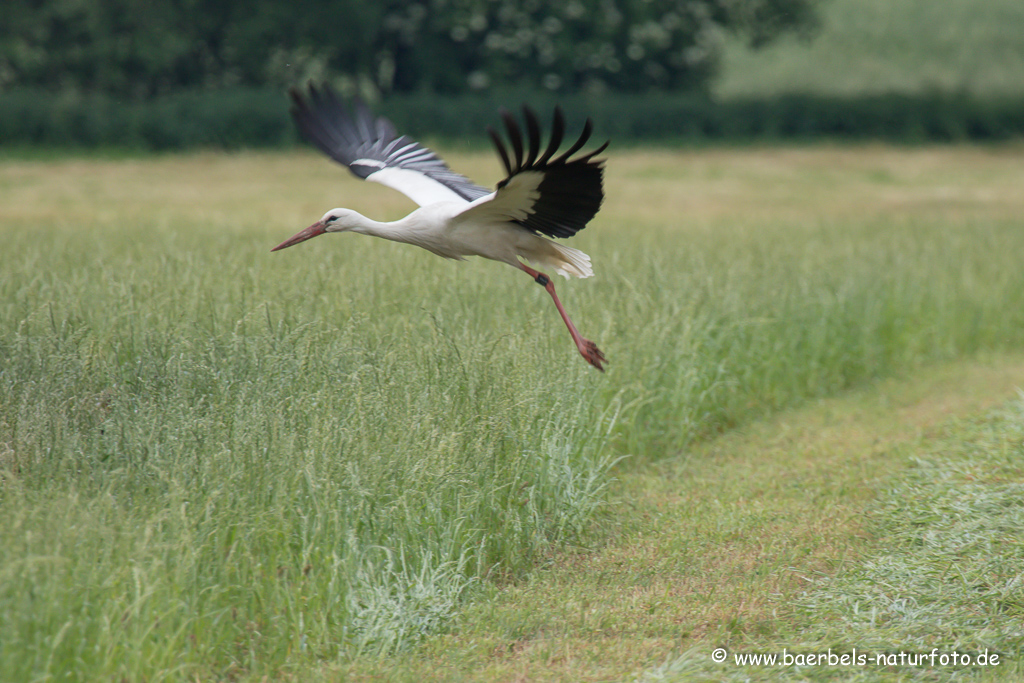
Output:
(870, 47)
(222, 463)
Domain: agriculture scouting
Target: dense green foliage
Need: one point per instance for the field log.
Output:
(138, 48)
(92, 74)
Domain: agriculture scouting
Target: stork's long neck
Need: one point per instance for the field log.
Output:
(368, 226)
(426, 227)
(419, 228)
(396, 231)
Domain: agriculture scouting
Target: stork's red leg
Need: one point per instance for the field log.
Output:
(587, 348)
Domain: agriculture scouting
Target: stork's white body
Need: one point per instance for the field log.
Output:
(451, 230)
(456, 218)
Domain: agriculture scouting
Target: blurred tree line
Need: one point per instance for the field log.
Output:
(145, 48)
(174, 74)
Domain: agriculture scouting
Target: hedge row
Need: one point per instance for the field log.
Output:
(228, 119)
(259, 118)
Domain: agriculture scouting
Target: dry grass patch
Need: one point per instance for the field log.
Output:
(684, 190)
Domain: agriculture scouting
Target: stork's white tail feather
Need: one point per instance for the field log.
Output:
(564, 260)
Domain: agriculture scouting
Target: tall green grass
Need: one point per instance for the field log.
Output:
(219, 462)
(255, 480)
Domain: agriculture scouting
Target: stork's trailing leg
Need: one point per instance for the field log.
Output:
(587, 348)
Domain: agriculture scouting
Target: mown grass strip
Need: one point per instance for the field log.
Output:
(940, 595)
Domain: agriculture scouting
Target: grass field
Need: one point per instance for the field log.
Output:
(866, 47)
(219, 462)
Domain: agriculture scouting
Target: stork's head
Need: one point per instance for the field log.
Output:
(335, 220)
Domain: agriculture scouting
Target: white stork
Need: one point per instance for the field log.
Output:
(541, 194)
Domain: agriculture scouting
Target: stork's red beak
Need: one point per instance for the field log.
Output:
(317, 228)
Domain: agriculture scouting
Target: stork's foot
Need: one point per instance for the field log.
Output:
(592, 354)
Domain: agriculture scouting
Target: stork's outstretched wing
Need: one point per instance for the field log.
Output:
(556, 197)
(372, 149)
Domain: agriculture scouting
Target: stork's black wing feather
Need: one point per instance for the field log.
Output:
(366, 145)
(570, 190)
